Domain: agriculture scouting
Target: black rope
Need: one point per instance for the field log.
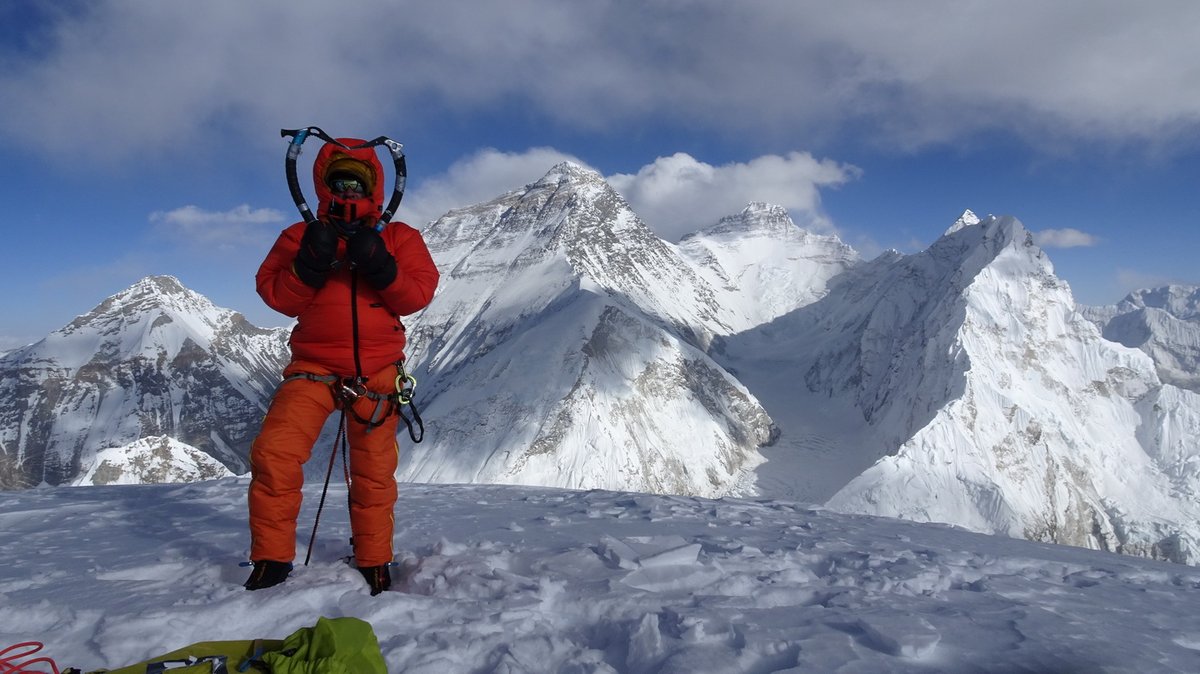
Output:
(343, 441)
(416, 438)
(358, 373)
(346, 477)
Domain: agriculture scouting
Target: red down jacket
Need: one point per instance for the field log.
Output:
(324, 333)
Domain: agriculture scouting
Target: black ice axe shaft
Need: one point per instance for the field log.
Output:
(298, 137)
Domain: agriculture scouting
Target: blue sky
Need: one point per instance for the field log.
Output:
(142, 137)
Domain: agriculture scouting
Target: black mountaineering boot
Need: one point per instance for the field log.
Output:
(377, 577)
(267, 573)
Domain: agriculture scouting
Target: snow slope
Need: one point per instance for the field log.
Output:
(565, 348)
(516, 579)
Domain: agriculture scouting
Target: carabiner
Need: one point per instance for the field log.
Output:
(406, 385)
(350, 390)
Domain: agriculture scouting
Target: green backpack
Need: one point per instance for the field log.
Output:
(338, 646)
(332, 646)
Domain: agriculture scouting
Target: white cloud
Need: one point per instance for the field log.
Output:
(10, 342)
(674, 195)
(152, 76)
(477, 178)
(195, 226)
(1129, 280)
(679, 194)
(1063, 238)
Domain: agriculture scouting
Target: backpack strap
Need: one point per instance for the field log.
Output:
(257, 649)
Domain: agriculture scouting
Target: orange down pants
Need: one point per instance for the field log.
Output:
(289, 431)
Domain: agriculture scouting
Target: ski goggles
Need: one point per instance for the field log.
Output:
(348, 186)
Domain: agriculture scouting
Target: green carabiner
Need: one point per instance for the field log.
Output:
(406, 384)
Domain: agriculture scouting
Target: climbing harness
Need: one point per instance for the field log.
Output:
(347, 391)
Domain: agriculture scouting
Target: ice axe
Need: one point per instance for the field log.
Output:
(298, 137)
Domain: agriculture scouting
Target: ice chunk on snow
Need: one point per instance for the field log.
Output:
(910, 637)
(672, 578)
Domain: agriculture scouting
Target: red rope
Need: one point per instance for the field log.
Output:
(10, 655)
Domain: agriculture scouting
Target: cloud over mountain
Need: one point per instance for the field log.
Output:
(1067, 237)
(911, 75)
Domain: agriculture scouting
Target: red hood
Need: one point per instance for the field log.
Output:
(327, 154)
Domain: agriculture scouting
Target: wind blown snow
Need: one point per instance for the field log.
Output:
(518, 579)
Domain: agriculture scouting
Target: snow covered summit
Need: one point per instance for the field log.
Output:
(763, 265)
(566, 347)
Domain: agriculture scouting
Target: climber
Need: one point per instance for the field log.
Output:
(347, 277)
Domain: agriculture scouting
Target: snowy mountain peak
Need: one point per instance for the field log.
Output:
(756, 219)
(145, 307)
(967, 219)
(529, 222)
(164, 289)
(994, 405)
(1180, 301)
(564, 311)
(570, 172)
(1163, 322)
(155, 359)
(163, 284)
(568, 229)
(151, 460)
(764, 264)
(972, 247)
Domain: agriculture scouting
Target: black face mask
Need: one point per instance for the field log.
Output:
(348, 214)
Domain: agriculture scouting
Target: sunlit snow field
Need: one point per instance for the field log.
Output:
(515, 579)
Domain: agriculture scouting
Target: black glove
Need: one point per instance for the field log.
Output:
(369, 255)
(317, 255)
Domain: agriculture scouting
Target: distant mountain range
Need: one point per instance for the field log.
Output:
(154, 360)
(570, 347)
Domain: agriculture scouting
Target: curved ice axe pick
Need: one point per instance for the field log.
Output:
(298, 137)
